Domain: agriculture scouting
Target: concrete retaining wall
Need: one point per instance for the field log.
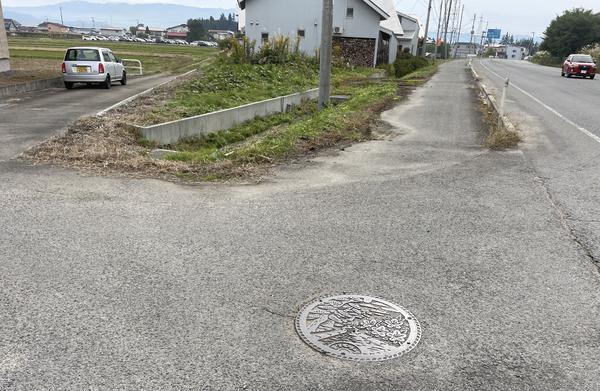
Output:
(171, 132)
(33, 85)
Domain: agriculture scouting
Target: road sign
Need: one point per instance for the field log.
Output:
(494, 33)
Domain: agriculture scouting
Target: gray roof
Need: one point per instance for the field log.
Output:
(391, 23)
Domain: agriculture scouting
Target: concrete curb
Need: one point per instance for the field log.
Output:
(491, 99)
(171, 132)
(34, 85)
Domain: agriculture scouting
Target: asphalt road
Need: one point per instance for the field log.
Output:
(112, 283)
(28, 119)
(560, 121)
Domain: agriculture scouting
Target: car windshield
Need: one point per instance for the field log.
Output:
(82, 55)
(582, 59)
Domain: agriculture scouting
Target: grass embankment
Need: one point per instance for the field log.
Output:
(109, 144)
(38, 58)
(225, 86)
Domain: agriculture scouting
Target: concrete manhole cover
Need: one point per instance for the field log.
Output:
(355, 327)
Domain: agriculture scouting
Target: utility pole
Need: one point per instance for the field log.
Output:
(532, 43)
(459, 30)
(424, 50)
(446, 29)
(483, 33)
(61, 17)
(472, 41)
(438, 36)
(453, 28)
(4, 55)
(326, 49)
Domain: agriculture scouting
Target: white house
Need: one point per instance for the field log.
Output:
(364, 31)
(509, 52)
(409, 42)
(177, 32)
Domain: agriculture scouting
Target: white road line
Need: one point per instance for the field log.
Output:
(559, 115)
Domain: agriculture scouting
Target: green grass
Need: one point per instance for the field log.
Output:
(229, 85)
(282, 135)
(155, 58)
(209, 148)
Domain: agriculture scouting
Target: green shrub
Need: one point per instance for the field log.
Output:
(406, 64)
(545, 58)
(280, 50)
(592, 50)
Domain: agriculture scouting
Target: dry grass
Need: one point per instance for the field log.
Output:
(27, 70)
(112, 146)
(501, 139)
(498, 137)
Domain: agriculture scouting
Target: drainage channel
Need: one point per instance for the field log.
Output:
(358, 328)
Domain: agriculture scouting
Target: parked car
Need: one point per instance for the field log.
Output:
(92, 65)
(579, 65)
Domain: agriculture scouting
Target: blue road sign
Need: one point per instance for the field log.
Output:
(494, 33)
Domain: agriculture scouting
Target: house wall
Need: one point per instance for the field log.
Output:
(285, 18)
(411, 29)
(364, 24)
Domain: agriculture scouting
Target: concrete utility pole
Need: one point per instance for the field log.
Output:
(437, 37)
(61, 17)
(459, 30)
(424, 49)
(453, 28)
(4, 56)
(472, 41)
(446, 29)
(326, 49)
(483, 34)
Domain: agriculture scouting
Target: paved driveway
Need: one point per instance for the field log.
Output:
(30, 118)
(114, 283)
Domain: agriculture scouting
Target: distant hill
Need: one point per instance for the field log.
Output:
(80, 14)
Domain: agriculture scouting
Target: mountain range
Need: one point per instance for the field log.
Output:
(87, 14)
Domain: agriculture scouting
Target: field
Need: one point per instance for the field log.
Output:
(38, 58)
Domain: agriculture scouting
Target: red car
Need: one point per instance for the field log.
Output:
(579, 65)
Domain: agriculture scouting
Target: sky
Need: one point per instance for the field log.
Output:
(518, 17)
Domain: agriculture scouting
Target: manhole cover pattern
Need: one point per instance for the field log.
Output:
(356, 327)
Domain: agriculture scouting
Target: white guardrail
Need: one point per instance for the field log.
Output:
(138, 67)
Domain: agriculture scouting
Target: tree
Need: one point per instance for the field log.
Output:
(197, 30)
(571, 31)
(507, 39)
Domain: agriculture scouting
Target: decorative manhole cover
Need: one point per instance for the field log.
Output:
(356, 327)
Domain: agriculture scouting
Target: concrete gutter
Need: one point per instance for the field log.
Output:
(33, 85)
(489, 97)
(171, 132)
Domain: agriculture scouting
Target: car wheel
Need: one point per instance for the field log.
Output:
(124, 79)
(69, 85)
(569, 75)
(107, 83)
(592, 77)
